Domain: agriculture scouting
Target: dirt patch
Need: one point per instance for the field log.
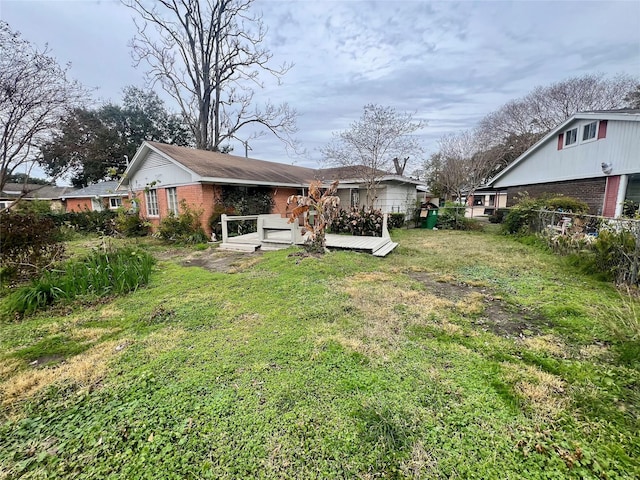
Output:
(214, 260)
(497, 316)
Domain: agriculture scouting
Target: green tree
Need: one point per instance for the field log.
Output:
(95, 144)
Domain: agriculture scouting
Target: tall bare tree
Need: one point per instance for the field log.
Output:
(370, 145)
(208, 55)
(35, 93)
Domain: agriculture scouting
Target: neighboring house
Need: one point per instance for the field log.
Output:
(30, 191)
(97, 197)
(161, 176)
(485, 201)
(593, 156)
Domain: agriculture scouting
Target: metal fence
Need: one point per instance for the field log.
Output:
(612, 243)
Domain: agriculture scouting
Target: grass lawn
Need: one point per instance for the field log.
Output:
(460, 355)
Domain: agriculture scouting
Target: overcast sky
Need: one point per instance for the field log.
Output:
(449, 62)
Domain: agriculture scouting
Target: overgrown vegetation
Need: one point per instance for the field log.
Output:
(241, 201)
(452, 217)
(185, 227)
(99, 274)
(504, 362)
(29, 243)
(523, 217)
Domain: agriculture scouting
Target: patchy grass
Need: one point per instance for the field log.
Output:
(462, 354)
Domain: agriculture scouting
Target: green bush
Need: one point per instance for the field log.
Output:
(452, 217)
(100, 274)
(34, 207)
(29, 242)
(358, 221)
(522, 217)
(498, 215)
(131, 225)
(396, 220)
(102, 222)
(184, 227)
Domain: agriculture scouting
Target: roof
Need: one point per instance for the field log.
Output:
(34, 191)
(216, 165)
(101, 189)
(224, 168)
(623, 114)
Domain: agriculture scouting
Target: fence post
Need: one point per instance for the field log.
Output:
(225, 232)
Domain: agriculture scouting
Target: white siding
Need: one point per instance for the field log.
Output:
(398, 198)
(621, 148)
(156, 168)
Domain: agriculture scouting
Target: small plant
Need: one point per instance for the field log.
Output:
(324, 204)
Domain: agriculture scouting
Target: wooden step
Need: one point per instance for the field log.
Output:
(385, 249)
(239, 247)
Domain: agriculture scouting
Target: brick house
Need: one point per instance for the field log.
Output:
(161, 176)
(97, 197)
(592, 156)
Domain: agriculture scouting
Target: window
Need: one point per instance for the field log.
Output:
(570, 137)
(151, 199)
(172, 200)
(589, 131)
(355, 197)
(115, 203)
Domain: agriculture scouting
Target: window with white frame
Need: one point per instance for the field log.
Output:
(589, 131)
(570, 137)
(115, 203)
(172, 200)
(151, 199)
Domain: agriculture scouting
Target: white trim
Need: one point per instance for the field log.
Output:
(622, 194)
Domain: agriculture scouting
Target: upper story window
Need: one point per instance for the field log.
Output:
(589, 131)
(570, 137)
(172, 200)
(151, 199)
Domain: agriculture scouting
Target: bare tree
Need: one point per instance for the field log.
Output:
(371, 144)
(208, 54)
(460, 166)
(35, 94)
(520, 123)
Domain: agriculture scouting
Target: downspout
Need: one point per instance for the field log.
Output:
(622, 193)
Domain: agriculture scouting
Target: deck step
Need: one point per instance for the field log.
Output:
(385, 249)
(239, 247)
(271, 245)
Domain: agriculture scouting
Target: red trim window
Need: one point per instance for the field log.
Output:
(602, 129)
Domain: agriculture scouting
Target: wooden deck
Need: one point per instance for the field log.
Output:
(276, 239)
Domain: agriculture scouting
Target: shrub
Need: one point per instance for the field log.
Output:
(359, 222)
(131, 225)
(34, 207)
(396, 220)
(100, 274)
(29, 242)
(522, 217)
(452, 217)
(101, 222)
(183, 228)
(498, 215)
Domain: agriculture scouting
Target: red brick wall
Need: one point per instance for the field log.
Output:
(591, 191)
(280, 196)
(78, 205)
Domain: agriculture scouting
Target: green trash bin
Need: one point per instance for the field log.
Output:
(432, 218)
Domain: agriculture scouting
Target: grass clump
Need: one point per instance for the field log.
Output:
(100, 274)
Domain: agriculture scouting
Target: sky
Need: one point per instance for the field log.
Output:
(449, 63)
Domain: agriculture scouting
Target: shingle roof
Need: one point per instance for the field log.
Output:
(101, 189)
(221, 165)
(43, 192)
